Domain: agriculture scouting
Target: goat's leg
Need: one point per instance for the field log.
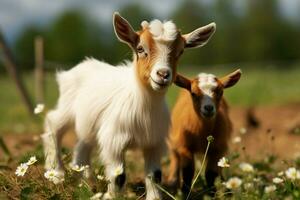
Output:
(187, 165)
(82, 155)
(113, 148)
(153, 174)
(174, 175)
(115, 173)
(56, 124)
(212, 170)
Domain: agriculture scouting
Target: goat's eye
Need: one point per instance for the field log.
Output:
(219, 93)
(140, 49)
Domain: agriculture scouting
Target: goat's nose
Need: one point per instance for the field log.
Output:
(163, 73)
(208, 108)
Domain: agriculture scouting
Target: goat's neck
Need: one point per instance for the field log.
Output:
(209, 124)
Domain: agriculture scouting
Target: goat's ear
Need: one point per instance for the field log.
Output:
(183, 82)
(231, 79)
(124, 31)
(200, 36)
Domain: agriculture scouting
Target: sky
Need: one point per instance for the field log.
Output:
(15, 14)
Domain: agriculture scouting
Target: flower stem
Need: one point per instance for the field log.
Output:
(40, 174)
(165, 191)
(210, 140)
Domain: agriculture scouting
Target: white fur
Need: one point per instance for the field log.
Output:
(106, 104)
(207, 83)
(161, 63)
(166, 31)
(145, 24)
(163, 34)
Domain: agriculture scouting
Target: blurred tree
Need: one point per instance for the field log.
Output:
(72, 37)
(267, 35)
(135, 14)
(259, 34)
(228, 41)
(190, 15)
(24, 47)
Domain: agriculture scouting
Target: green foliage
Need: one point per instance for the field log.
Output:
(257, 33)
(255, 184)
(26, 193)
(24, 46)
(82, 192)
(38, 152)
(72, 37)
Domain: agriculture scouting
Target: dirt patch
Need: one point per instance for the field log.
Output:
(275, 134)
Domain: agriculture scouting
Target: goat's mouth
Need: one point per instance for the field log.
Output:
(160, 85)
(208, 115)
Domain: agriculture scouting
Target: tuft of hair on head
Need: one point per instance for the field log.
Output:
(207, 81)
(145, 24)
(163, 31)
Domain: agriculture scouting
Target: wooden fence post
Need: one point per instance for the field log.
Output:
(11, 68)
(39, 71)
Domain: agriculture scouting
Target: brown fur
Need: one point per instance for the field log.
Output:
(145, 64)
(145, 48)
(189, 132)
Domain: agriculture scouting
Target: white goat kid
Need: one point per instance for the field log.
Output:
(124, 106)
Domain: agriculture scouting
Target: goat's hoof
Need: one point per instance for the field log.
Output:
(157, 176)
(120, 180)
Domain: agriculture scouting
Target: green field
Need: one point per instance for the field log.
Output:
(268, 86)
(264, 87)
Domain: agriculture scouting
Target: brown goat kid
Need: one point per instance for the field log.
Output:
(200, 111)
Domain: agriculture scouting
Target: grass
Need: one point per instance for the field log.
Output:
(258, 86)
(238, 182)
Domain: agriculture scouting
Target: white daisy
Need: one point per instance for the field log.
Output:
(54, 176)
(243, 130)
(233, 183)
(79, 169)
(39, 108)
(31, 160)
(246, 167)
(270, 189)
(277, 180)
(223, 162)
(100, 177)
(281, 173)
(236, 139)
(292, 173)
(21, 169)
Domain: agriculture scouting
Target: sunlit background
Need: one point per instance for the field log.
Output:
(261, 37)
(248, 31)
